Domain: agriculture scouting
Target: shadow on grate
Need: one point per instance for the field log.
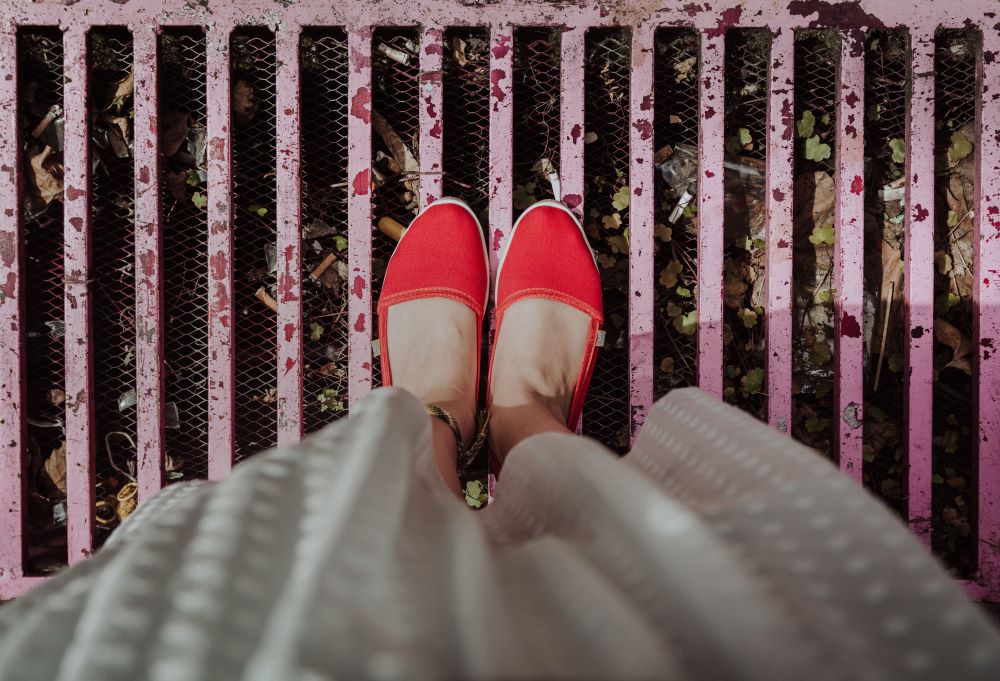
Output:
(182, 118)
(816, 66)
(748, 54)
(675, 126)
(323, 64)
(112, 214)
(887, 78)
(536, 87)
(253, 64)
(40, 98)
(957, 89)
(395, 148)
(606, 198)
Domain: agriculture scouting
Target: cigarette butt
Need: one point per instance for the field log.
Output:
(391, 228)
(265, 297)
(44, 123)
(322, 267)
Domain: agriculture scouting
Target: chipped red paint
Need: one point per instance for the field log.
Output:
(361, 182)
(644, 127)
(920, 213)
(358, 287)
(576, 132)
(857, 185)
(849, 326)
(359, 323)
(502, 47)
(361, 104)
(727, 19)
(497, 75)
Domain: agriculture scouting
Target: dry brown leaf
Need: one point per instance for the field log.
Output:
(397, 148)
(961, 346)
(55, 467)
(244, 102)
(47, 176)
(668, 275)
(125, 86)
(56, 397)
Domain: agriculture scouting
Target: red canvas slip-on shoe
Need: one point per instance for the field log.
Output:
(442, 255)
(547, 256)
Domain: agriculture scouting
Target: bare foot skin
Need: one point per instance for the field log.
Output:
(536, 364)
(433, 355)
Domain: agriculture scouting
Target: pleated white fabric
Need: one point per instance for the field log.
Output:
(715, 550)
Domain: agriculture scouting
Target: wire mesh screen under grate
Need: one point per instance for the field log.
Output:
(255, 262)
(675, 129)
(183, 175)
(112, 213)
(323, 140)
(40, 81)
(957, 93)
(395, 149)
(887, 79)
(536, 90)
(606, 197)
(816, 64)
(748, 54)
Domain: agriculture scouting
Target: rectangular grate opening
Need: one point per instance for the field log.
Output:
(607, 71)
(252, 71)
(816, 67)
(466, 140)
(957, 89)
(395, 148)
(466, 159)
(112, 267)
(887, 79)
(323, 140)
(536, 88)
(748, 55)
(675, 129)
(184, 232)
(40, 125)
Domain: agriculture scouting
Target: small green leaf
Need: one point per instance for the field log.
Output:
(687, 324)
(825, 119)
(952, 218)
(823, 234)
(752, 382)
(814, 424)
(898, 147)
(683, 292)
(817, 150)
(937, 479)
(876, 414)
(944, 302)
(745, 137)
(621, 198)
(824, 296)
(192, 177)
(749, 318)
(896, 362)
(315, 331)
(960, 147)
(475, 494)
(259, 210)
(199, 199)
(690, 210)
(806, 125)
(340, 242)
(820, 352)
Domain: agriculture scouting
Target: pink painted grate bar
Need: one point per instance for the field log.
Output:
(778, 195)
(79, 371)
(289, 247)
(431, 118)
(848, 255)
(918, 281)
(221, 400)
(710, 211)
(641, 208)
(148, 269)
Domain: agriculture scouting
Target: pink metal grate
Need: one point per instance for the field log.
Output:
(258, 139)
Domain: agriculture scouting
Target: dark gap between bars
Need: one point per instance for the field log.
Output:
(466, 159)
(957, 89)
(323, 140)
(395, 100)
(816, 77)
(887, 80)
(748, 56)
(181, 97)
(252, 66)
(40, 86)
(607, 67)
(112, 215)
(675, 129)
